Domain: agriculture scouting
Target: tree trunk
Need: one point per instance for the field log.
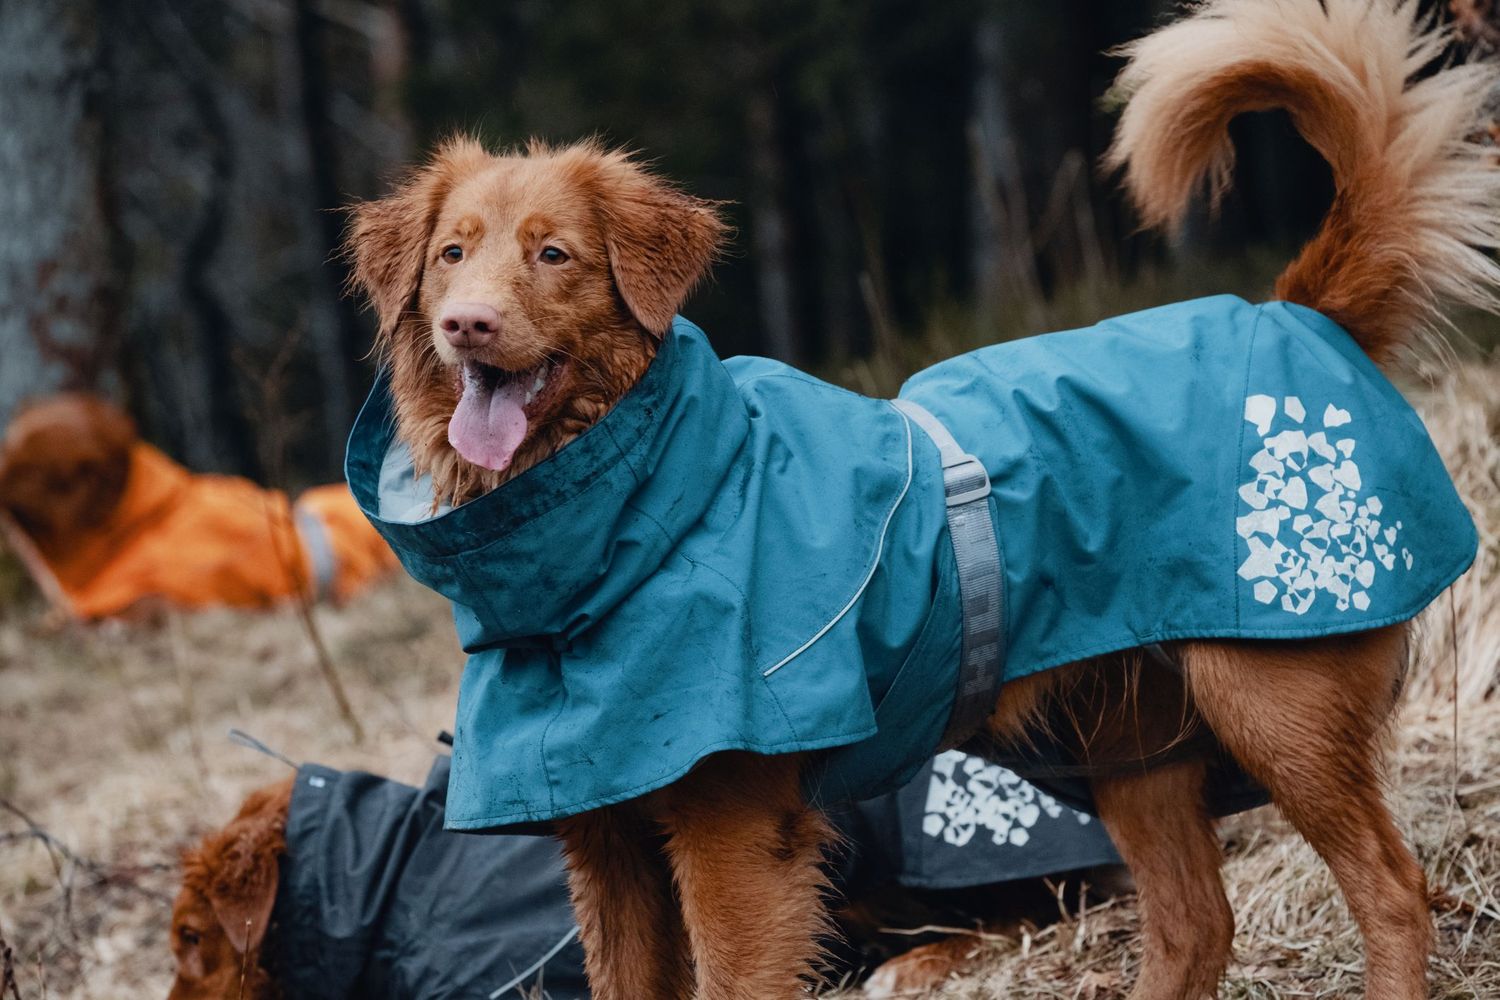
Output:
(1001, 255)
(228, 444)
(770, 227)
(338, 336)
(58, 296)
(838, 239)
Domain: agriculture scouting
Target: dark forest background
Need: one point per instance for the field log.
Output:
(171, 171)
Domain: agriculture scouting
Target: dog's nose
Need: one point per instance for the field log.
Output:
(469, 324)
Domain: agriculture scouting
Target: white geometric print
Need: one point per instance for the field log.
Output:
(968, 792)
(1310, 527)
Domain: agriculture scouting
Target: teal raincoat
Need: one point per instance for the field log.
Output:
(741, 557)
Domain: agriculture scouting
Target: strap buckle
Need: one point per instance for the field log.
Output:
(965, 481)
(980, 567)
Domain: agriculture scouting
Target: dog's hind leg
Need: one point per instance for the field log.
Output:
(629, 921)
(1305, 719)
(1162, 829)
(1155, 812)
(747, 853)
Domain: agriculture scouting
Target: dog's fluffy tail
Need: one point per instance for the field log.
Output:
(1417, 201)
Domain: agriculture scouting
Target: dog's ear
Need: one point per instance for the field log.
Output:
(387, 238)
(106, 464)
(661, 241)
(246, 867)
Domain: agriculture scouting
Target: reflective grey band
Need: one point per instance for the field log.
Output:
(319, 551)
(981, 575)
(535, 967)
(244, 739)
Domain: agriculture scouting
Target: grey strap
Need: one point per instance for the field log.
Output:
(319, 550)
(535, 967)
(981, 575)
(1158, 654)
(244, 739)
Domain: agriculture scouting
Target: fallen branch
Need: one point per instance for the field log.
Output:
(25, 551)
(60, 854)
(270, 385)
(8, 986)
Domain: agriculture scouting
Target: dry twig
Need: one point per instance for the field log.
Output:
(36, 567)
(59, 852)
(270, 385)
(8, 987)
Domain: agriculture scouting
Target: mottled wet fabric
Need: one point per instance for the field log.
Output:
(378, 902)
(1205, 469)
(742, 557)
(668, 585)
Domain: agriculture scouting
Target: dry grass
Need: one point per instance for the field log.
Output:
(112, 742)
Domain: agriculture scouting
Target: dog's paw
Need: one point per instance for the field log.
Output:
(921, 970)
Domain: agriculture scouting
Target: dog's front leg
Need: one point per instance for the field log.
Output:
(628, 918)
(747, 850)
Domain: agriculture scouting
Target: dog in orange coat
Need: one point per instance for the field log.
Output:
(110, 524)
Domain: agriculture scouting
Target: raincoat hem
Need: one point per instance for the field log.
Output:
(573, 809)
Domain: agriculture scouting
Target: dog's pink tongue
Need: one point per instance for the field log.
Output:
(489, 422)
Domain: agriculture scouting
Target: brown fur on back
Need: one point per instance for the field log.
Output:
(1415, 211)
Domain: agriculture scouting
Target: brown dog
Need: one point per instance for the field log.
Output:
(109, 525)
(232, 881)
(220, 917)
(64, 462)
(550, 275)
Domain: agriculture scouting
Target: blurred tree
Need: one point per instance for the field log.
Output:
(59, 291)
(168, 226)
(225, 439)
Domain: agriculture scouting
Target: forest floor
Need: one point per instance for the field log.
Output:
(113, 758)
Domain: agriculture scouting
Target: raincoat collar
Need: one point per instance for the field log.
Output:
(660, 455)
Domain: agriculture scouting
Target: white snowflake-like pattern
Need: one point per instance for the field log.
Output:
(1311, 526)
(967, 792)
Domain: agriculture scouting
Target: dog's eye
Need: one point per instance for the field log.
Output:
(189, 937)
(453, 254)
(552, 255)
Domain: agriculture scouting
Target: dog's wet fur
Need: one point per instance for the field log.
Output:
(223, 909)
(632, 248)
(712, 887)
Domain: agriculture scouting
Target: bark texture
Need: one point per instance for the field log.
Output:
(56, 286)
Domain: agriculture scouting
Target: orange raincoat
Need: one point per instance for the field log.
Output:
(206, 540)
